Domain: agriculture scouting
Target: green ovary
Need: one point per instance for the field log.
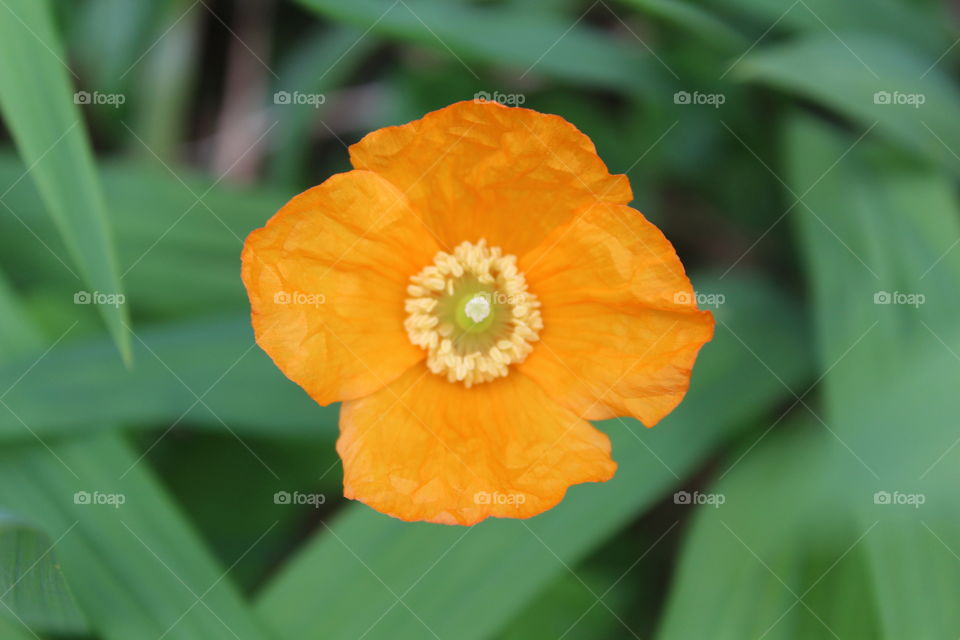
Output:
(474, 299)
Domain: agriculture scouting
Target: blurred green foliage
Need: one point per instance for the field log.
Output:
(803, 159)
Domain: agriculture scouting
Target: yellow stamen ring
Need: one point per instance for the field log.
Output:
(472, 313)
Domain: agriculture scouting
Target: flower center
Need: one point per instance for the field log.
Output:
(471, 311)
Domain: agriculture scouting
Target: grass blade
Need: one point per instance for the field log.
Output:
(136, 568)
(205, 373)
(889, 422)
(520, 39)
(921, 28)
(179, 256)
(318, 65)
(873, 80)
(38, 106)
(33, 590)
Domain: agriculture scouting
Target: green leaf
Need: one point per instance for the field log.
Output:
(890, 394)
(105, 56)
(872, 80)
(741, 567)
(779, 556)
(322, 62)
(38, 106)
(179, 254)
(895, 277)
(15, 335)
(136, 568)
(839, 589)
(193, 267)
(922, 28)
(208, 373)
(33, 590)
(517, 38)
(13, 630)
(467, 583)
(567, 608)
(163, 81)
(694, 19)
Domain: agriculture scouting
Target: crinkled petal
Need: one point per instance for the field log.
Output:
(621, 327)
(327, 280)
(482, 170)
(423, 448)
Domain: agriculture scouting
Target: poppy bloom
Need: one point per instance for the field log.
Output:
(474, 292)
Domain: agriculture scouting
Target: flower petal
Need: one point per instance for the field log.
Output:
(621, 327)
(427, 449)
(482, 170)
(327, 280)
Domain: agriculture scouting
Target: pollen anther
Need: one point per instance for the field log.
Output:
(472, 313)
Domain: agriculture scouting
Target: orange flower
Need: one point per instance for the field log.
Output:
(474, 292)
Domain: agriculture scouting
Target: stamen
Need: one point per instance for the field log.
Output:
(471, 311)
